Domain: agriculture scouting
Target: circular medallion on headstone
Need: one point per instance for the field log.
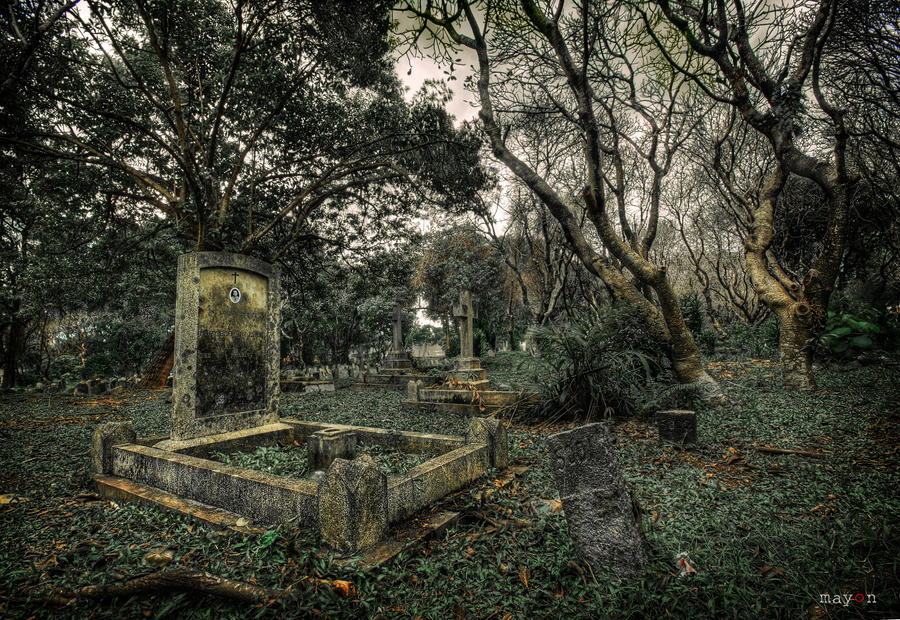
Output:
(234, 295)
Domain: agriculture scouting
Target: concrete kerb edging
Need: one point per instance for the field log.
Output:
(354, 507)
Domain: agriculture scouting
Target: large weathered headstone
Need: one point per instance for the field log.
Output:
(226, 370)
(598, 506)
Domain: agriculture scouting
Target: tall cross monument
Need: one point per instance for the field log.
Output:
(397, 324)
(465, 312)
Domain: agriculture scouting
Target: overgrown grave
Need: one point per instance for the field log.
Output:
(225, 401)
(466, 387)
(308, 380)
(397, 369)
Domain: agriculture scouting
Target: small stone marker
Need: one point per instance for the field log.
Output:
(493, 433)
(322, 447)
(596, 502)
(412, 391)
(677, 427)
(226, 371)
(105, 438)
(353, 508)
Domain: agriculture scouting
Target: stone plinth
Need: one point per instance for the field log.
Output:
(677, 427)
(463, 399)
(597, 504)
(323, 447)
(397, 361)
(226, 369)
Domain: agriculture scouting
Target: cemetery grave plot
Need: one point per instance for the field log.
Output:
(352, 504)
(466, 387)
(398, 366)
(225, 402)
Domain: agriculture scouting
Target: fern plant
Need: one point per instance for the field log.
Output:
(591, 368)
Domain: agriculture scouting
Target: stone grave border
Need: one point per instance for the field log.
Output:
(463, 400)
(176, 475)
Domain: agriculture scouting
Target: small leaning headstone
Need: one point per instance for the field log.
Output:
(597, 504)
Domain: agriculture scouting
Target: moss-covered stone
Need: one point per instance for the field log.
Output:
(353, 509)
(227, 364)
(105, 438)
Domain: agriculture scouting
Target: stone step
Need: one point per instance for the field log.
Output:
(406, 536)
(124, 490)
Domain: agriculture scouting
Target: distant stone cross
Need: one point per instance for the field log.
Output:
(465, 312)
(397, 323)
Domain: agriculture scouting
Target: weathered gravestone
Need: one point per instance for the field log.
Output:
(465, 311)
(677, 427)
(226, 344)
(468, 367)
(597, 504)
(398, 358)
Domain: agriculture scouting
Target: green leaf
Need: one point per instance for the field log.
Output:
(862, 342)
(840, 346)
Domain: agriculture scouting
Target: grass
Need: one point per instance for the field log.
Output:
(768, 533)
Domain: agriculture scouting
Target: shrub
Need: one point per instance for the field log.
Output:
(692, 311)
(97, 364)
(65, 366)
(708, 339)
(754, 340)
(601, 364)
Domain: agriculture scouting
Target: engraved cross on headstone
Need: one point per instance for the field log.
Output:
(397, 323)
(465, 312)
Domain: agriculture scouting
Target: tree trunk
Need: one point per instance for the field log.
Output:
(775, 289)
(159, 369)
(511, 328)
(15, 348)
(685, 355)
(794, 344)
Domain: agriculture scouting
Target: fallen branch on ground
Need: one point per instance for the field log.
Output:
(800, 452)
(178, 579)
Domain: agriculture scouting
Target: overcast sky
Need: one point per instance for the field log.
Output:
(423, 69)
(414, 71)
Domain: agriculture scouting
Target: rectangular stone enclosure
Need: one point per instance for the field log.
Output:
(351, 506)
(227, 314)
